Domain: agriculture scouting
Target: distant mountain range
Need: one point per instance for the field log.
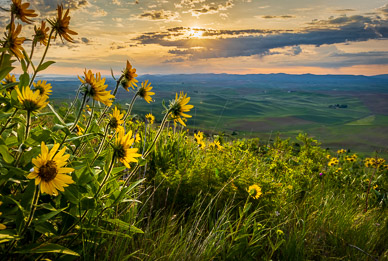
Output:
(277, 77)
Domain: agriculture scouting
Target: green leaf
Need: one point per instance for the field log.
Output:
(6, 155)
(56, 114)
(24, 65)
(46, 217)
(107, 232)
(72, 194)
(111, 71)
(24, 80)
(28, 195)
(9, 85)
(88, 203)
(44, 66)
(47, 248)
(7, 235)
(4, 71)
(123, 225)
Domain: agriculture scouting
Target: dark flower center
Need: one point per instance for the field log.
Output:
(113, 123)
(40, 89)
(119, 151)
(48, 171)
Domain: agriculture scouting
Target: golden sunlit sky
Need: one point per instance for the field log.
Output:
(220, 36)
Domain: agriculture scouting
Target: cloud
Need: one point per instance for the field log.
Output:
(296, 50)
(384, 10)
(85, 40)
(279, 16)
(345, 10)
(116, 2)
(335, 30)
(158, 15)
(48, 7)
(212, 8)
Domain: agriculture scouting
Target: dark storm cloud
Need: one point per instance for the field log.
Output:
(332, 31)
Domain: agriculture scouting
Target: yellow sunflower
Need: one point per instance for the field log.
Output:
(41, 34)
(122, 148)
(49, 170)
(61, 25)
(95, 87)
(198, 136)
(31, 101)
(178, 107)
(150, 118)
(10, 78)
(43, 87)
(21, 12)
(144, 91)
(129, 75)
(79, 130)
(116, 120)
(254, 191)
(13, 43)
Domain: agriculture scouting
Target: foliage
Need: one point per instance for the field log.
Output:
(86, 181)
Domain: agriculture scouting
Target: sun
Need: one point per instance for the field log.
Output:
(195, 33)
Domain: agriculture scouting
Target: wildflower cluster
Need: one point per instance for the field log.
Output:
(333, 161)
(66, 167)
(352, 158)
(374, 162)
(341, 151)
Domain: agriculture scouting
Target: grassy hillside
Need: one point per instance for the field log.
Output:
(266, 105)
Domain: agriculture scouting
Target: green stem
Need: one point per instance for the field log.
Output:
(101, 143)
(9, 33)
(149, 149)
(32, 210)
(130, 107)
(114, 94)
(41, 60)
(8, 121)
(157, 135)
(79, 113)
(34, 202)
(369, 185)
(31, 54)
(28, 125)
(73, 103)
(83, 145)
(112, 163)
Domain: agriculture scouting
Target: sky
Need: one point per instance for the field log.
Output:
(219, 36)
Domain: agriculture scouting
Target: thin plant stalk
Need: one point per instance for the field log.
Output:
(130, 106)
(149, 149)
(31, 54)
(73, 103)
(8, 121)
(114, 94)
(28, 125)
(112, 163)
(79, 113)
(102, 143)
(157, 135)
(86, 130)
(367, 192)
(44, 56)
(34, 202)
